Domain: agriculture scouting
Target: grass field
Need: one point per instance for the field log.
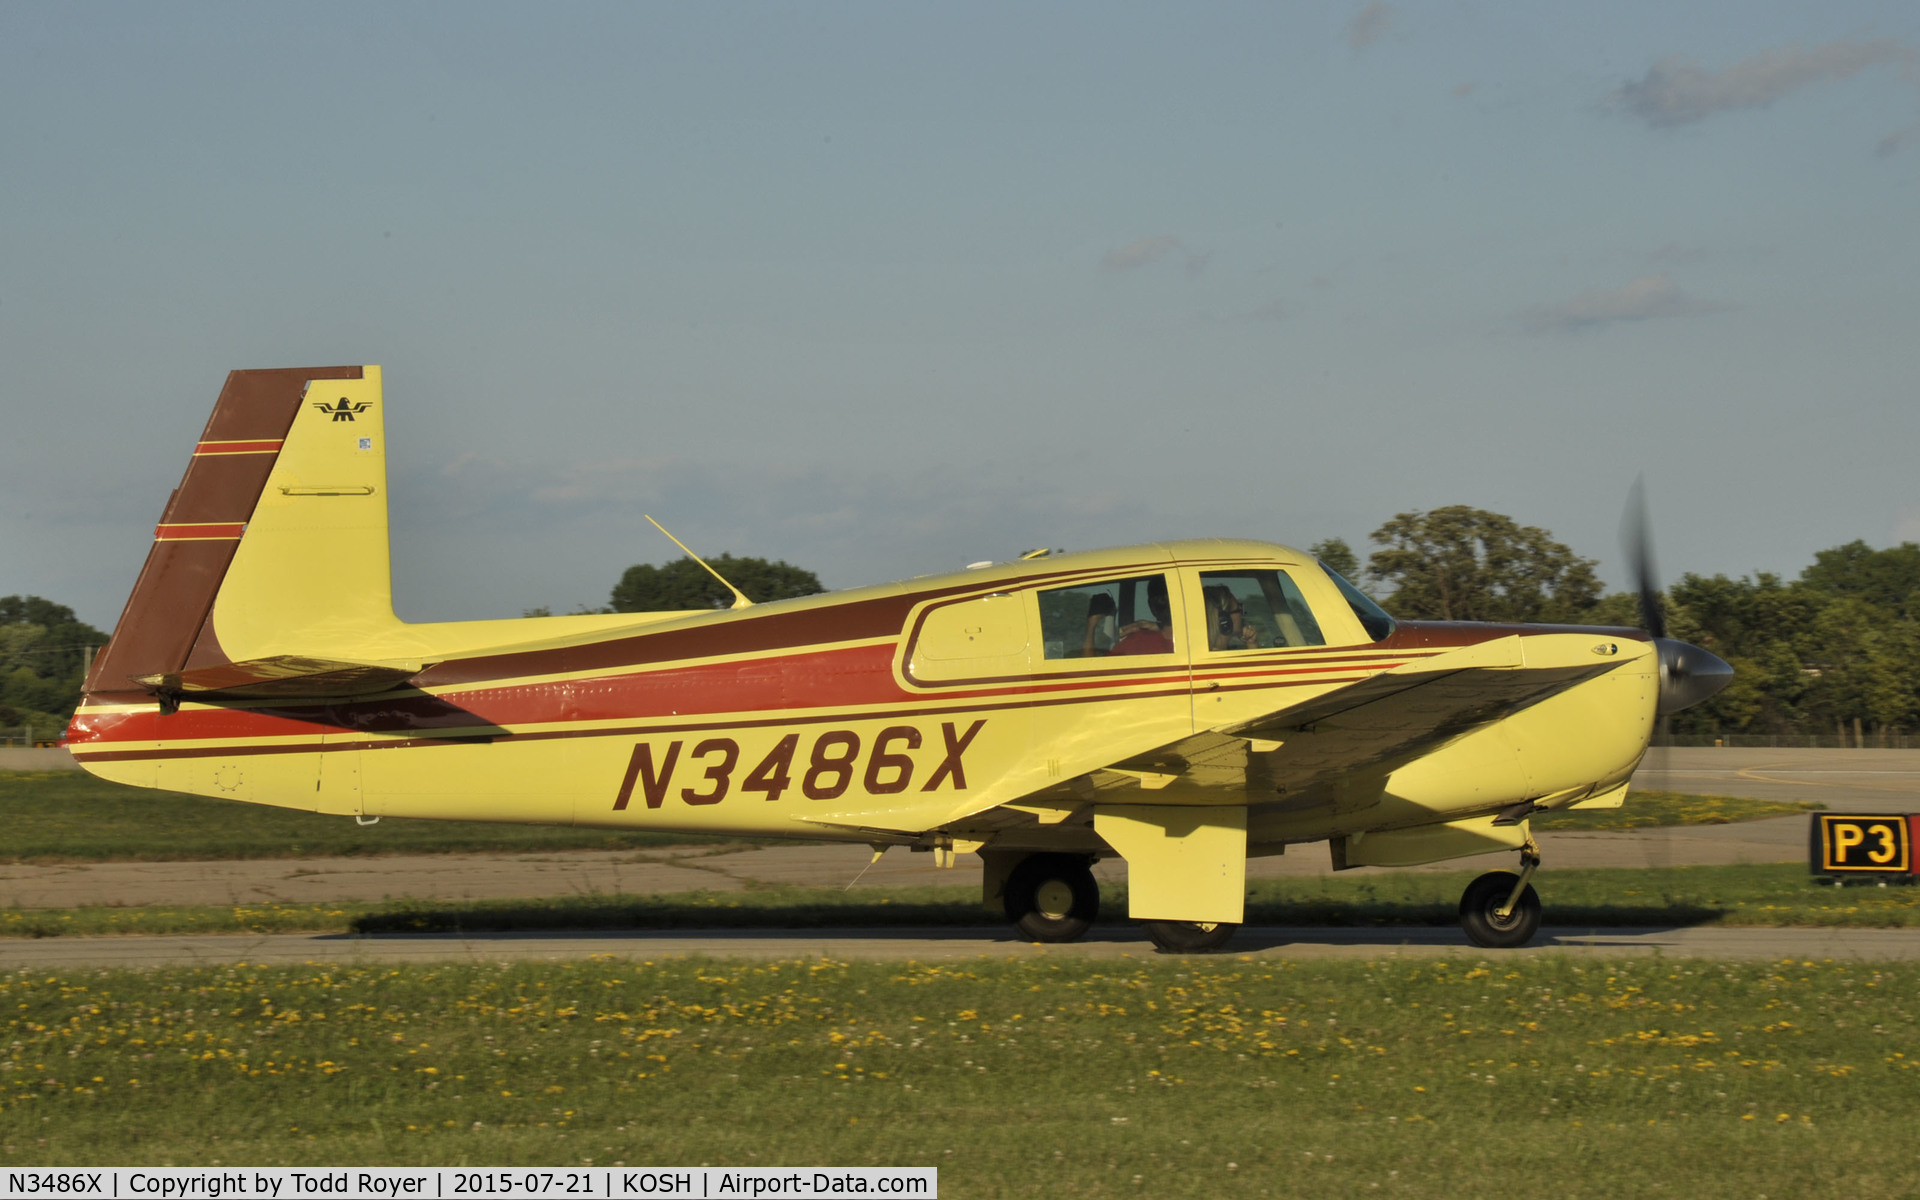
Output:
(1769, 894)
(1573, 1077)
(69, 816)
(1655, 809)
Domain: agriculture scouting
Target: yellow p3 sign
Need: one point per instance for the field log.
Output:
(1855, 843)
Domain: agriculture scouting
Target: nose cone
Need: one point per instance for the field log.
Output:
(1688, 674)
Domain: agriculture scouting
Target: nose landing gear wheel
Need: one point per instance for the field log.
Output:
(1190, 937)
(1480, 912)
(1052, 898)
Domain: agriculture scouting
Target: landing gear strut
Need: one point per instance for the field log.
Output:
(1500, 910)
(1052, 897)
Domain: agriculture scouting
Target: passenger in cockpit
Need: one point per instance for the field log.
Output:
(1101, 633)
(1153, 636)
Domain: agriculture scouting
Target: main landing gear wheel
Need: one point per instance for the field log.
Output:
(1190, 937)
(1052, 897)
(1480, 911)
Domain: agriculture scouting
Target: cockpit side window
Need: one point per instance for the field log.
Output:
(1109, 618)
(1256, 610)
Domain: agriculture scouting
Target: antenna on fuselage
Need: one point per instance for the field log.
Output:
(739, 597)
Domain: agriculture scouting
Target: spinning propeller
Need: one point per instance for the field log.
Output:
(1688, 674)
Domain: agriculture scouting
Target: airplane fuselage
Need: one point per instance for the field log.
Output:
(879, 713)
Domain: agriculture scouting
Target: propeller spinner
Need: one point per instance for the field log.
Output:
(1688, 674)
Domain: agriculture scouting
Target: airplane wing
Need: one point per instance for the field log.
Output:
(1294, 754)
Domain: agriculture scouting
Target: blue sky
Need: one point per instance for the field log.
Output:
(885, 289)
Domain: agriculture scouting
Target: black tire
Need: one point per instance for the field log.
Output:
(1191, 937)
(1479, 912)
(1052, 897)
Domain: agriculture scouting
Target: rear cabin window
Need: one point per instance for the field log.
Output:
(1108, 619)
(1256, 610)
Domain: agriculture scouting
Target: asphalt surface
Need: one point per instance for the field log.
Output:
(926, 945)
(1843, 780)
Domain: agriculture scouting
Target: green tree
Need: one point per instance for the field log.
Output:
(1809, 655)
(43, 652)
(1338, 557)
(1887, 579)
(1864, 647)
(1862, 666)
(1620, 609)
(1759, 626)
(683, 584)
(1466, 564)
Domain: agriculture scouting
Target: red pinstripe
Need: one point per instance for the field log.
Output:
(205, 531)
(262, 446)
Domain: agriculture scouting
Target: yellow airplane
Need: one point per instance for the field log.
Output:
(1185, 706)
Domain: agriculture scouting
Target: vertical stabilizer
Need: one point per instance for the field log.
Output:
(165, 623)
(313, 574)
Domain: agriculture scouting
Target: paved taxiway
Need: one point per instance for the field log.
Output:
(1843, 780)
(927, 945)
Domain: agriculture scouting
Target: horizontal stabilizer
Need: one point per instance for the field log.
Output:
(283, 675)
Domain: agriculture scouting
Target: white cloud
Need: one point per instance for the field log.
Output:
(1676, 92)
(1152, 249)
(1369, 25)
(1645, 298)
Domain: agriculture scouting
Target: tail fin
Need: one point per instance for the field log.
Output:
(279, 528)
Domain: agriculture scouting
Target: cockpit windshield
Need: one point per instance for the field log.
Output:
(1378, 624)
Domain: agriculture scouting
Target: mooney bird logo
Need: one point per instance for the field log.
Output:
(345, 410)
